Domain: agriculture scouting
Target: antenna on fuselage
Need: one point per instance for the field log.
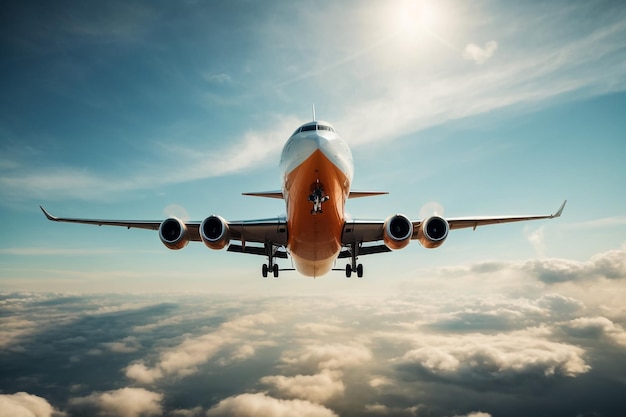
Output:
(313, 112)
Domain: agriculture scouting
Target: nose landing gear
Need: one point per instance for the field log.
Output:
(317, 197)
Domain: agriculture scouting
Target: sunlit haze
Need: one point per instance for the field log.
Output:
(150, 109)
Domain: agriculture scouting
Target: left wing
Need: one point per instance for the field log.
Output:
(363, 231)
(272, 230)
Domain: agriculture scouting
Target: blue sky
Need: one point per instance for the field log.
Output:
(149, 109)
(146, 109)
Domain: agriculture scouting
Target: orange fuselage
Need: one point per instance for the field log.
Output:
(316, 163)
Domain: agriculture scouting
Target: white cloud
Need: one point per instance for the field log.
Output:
(317, 388)
(142, 374)
(594, 327)
(493, 357)
(379, 381)
(536, 238)
(473, 52)
(127, 345)
(22, 404)
(12, 328)
(609, 265)
(193, 412)
(376, 408)
(124, 402)
(252, 405)
(184, 359)
(329, 356)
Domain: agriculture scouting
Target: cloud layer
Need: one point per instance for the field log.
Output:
(403, 354)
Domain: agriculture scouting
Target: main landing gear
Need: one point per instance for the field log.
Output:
(358, 269)
(270, 265)
(354, 267)
(266, 268)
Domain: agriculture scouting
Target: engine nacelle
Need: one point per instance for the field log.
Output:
(433, 232)
(214, 232)
(173, 233)
(397, 231)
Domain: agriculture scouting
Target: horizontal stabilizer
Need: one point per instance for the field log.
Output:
(358, 194)
(267, 194)
(279, 194)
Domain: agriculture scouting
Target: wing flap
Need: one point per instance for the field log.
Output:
(365, 250)
(272, 230)
(358, 231)
(255, 250)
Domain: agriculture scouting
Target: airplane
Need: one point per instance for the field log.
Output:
(317, 171)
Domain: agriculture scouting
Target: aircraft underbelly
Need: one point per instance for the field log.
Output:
(315, 232)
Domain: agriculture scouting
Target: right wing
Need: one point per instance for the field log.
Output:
(365, 231)
(474, 222)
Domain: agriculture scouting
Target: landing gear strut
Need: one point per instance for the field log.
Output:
(358, 268)
(270, 265)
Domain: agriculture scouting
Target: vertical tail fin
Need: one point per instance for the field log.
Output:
(314, 112)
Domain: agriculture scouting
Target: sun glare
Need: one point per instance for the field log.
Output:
(413, 17)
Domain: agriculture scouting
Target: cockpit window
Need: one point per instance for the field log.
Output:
(308, 128)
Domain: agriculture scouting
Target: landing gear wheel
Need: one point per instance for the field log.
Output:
(275, 270)
(359, 271)
(348, 271)
(264, 271)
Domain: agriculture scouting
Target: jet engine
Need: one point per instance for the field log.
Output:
(433, 231)
(214, 232)
(173, 233)
(397, 231)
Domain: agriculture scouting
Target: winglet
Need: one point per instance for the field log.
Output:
(48, 215)
(558, 213)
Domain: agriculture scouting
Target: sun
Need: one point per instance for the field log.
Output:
(412, 17)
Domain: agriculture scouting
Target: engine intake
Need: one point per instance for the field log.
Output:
(173, 233)
(397, 231)
(214, 232)
(433, 232)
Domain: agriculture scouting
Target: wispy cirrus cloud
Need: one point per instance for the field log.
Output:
(479, 54)
(588, 63)
(23, 182)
